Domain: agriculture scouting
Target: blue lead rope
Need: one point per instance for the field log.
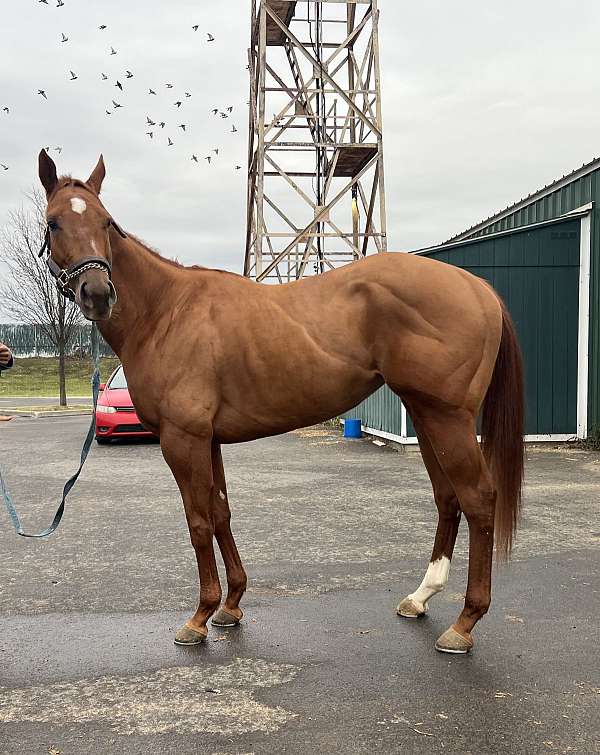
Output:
(8, 502)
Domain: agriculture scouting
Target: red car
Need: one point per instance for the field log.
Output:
(115, 415)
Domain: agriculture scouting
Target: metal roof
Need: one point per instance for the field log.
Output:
(461, 243)
(568, 178)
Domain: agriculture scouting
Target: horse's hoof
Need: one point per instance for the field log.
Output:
(223, 618)
(453, 642)
(189, 636)
(411, 609)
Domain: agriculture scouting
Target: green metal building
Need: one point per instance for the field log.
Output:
(542, 254)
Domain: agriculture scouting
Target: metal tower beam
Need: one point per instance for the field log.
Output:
(316, 196)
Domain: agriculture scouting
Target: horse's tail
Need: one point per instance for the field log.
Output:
(502, 434)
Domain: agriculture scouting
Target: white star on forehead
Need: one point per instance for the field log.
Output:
(78, 205)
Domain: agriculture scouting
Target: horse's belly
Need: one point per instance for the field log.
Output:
(279, 408)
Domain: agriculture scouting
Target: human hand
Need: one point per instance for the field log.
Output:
(5, 355)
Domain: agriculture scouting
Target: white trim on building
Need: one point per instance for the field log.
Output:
(412, 441)
(583, 337)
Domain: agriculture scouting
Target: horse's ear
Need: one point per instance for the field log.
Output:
(47, 172)
(97, 176)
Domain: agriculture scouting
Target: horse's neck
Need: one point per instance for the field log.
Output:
(140, 278)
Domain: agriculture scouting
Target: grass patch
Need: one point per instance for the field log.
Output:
(38, 376)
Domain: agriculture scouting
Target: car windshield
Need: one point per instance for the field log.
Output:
(118, 380)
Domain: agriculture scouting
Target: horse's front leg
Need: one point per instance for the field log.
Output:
(230, 613)
(189, 458)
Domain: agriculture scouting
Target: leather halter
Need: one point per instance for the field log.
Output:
(64, 276)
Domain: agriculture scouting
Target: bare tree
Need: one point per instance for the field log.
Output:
(29, 294)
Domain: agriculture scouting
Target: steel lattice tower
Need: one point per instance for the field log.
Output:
(316, 197)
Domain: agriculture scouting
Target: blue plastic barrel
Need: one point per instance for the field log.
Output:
(352, 428)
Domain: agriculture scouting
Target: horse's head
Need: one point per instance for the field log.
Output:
(79, 234)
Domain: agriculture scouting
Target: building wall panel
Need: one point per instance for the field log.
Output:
(574, 194)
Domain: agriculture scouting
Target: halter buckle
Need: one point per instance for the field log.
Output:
(63, 279)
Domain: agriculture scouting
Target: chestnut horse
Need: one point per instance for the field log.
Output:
(212, 357)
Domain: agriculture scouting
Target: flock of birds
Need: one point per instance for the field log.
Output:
(151, 125)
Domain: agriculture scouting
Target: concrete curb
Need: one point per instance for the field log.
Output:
(7, 397)
(42, 414)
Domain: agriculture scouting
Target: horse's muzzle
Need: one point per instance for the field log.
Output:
(95, 294)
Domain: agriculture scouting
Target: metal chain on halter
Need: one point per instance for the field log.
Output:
(8, 502)
(64, 277)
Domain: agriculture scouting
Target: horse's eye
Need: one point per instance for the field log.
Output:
(53, 225)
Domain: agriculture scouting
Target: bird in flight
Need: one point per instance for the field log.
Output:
(162, 124)
(4, 167)
(6, 110)
(230, 108)
(187, 94)
(151, 91)
(108, 112)
(43, 93)
(194, 158)
(102, 26)
(59, 4)
(209, 158)
(195, 27)
(150, 134)
(43, 1)
(224, 115)
(104, 77)
(113, 51)
(216, 151)
(171, 143)
(233, 129)
(238, 167)
(178, 103)
(116, 104)
(215, 110)
(58, 149)
(64, 38)
(128, 75)
(73, 75)
(149, 121)
(210, 38)
(118, 84)
(169, 86)
(182, 126)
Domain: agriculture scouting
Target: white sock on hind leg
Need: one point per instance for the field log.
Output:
(434, 581)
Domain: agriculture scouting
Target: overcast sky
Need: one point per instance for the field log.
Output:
(481, 106)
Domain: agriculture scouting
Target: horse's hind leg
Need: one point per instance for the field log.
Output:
(452, 435)
(230, 613)
(436, 576)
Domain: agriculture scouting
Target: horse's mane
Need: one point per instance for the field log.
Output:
(68, 180)
(174, 262)
(168, 260)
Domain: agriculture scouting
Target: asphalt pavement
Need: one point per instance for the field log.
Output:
(332, 533)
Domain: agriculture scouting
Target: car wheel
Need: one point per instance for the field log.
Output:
(103, 441)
